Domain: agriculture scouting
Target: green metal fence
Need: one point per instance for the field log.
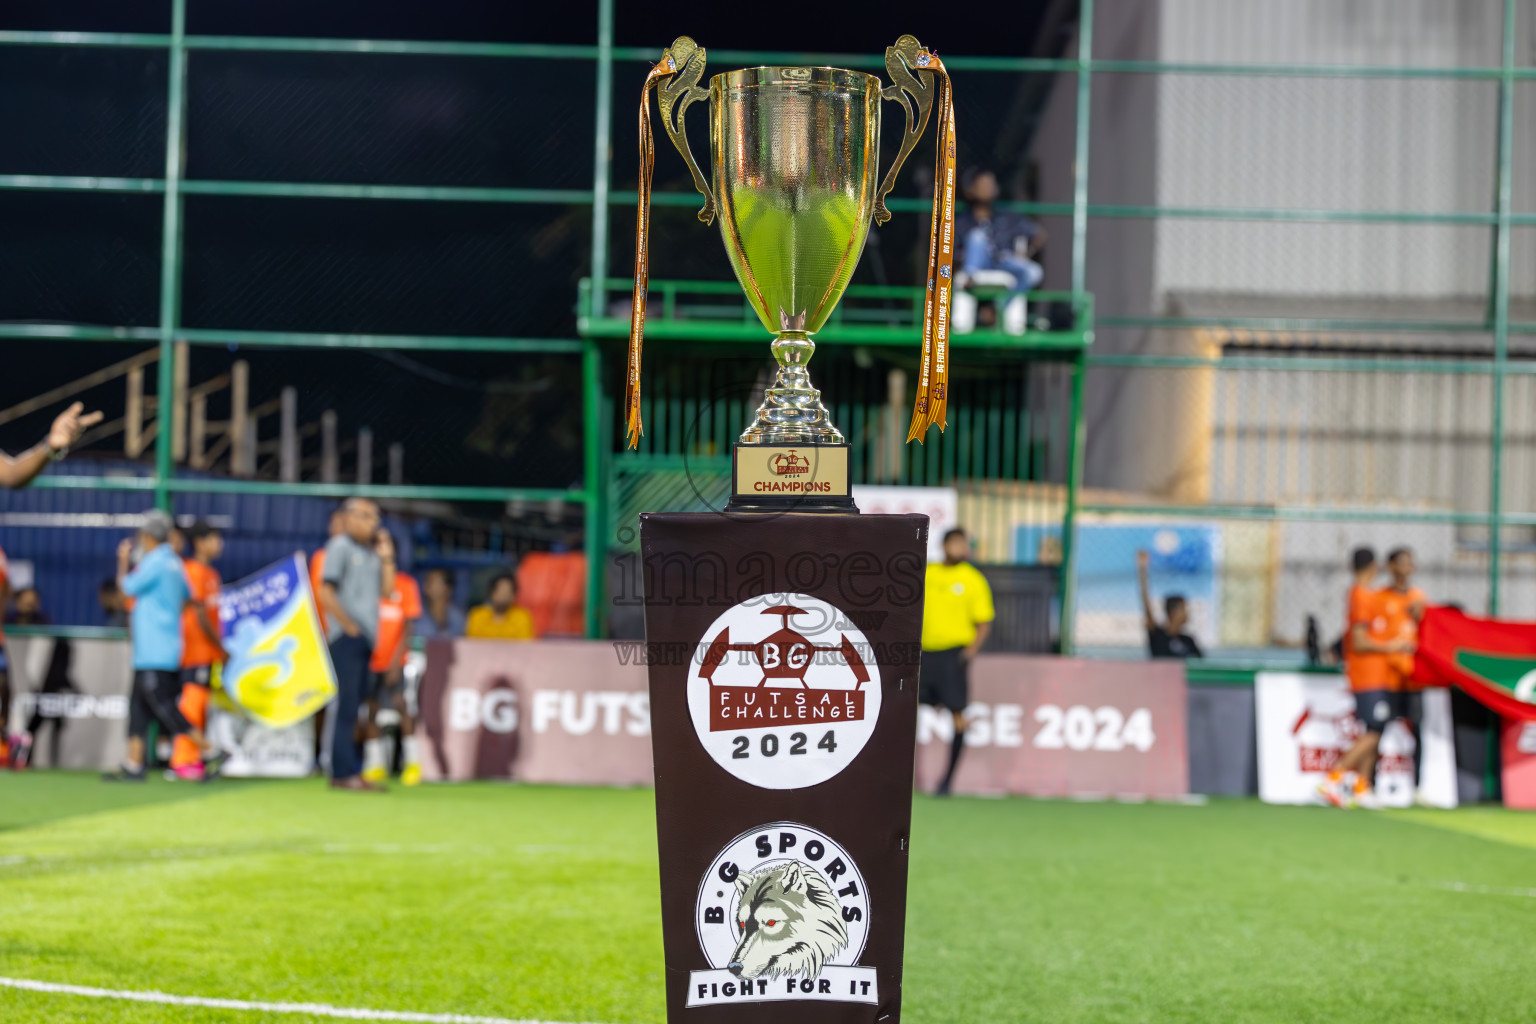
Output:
(174, 187)
(1288, 388)
(1080, 73)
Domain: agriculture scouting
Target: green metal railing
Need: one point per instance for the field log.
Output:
(599, 432)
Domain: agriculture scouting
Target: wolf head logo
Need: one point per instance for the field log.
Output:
(790, 922)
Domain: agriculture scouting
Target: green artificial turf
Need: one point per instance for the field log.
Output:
(531, 902)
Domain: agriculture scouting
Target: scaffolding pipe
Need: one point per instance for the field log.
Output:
(365, 456)
(288, 437)
(239, 414)
(330, 462)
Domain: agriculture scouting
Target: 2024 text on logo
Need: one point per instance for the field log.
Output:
(786, 692)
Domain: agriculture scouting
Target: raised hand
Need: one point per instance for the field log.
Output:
(69, 425)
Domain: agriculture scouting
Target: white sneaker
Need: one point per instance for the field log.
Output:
(1015, 315)
(1333, 793)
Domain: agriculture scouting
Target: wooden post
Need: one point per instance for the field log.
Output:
(248, 452)
(397, 464)
(198, 441)
(288, 438)
(181, 370)
(365, 455)
(133, 417)
(330, 463)
(239, 414)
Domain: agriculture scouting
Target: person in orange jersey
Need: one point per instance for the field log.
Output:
(1402, 605)
(317, 560)
(1374, 644)
(202, 644)
(398, 611)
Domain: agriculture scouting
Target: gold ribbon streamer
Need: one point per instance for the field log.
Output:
(932, 402)
(633, 428)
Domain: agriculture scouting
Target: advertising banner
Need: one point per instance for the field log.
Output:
(1518, 747)
(1063, 727)
(73, 694)
(577, 712)
(259, 751)
(558, 711)
(1306, 722)
(940, 504)
(1185, 560)
(279, 670)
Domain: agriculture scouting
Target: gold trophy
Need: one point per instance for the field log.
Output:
(794, 154)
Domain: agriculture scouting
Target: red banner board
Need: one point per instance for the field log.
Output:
(577, 712)
(1519, 756)
(1043, 726)
(558, 711)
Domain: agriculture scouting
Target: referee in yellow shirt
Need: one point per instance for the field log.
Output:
(957, 616)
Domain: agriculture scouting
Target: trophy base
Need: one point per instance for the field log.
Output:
(790, 478)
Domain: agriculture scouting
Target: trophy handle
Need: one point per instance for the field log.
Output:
(674, 98)
(905, 61)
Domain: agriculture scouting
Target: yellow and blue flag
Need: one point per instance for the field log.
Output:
(279, 670)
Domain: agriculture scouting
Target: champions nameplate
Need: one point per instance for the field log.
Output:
(790, 477)
(783, 657)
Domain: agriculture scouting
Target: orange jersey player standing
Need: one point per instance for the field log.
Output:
(1399, 609)
(398, 611)
(317, 567)
(1375, 644)
(202, 646)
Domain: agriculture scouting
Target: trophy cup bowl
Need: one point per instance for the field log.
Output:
(795, 172)
(795, 160)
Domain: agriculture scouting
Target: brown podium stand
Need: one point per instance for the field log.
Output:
(783, 652)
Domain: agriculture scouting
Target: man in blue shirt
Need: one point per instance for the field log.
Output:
(160, 591)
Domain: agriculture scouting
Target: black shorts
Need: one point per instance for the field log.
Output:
(198, 675)
(156, 693)
(1375, 708)
(383, 692)
(944, 679)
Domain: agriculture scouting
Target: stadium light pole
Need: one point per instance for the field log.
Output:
(170, 253)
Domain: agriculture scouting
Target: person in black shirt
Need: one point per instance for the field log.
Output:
(1168, 639)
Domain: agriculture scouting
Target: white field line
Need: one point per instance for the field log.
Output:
(309, 1009)
(244, 849)
(1487, 890)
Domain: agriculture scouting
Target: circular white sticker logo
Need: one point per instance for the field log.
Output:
(782, 914)
(786, 692)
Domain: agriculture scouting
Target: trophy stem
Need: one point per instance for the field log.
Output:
(792, 412)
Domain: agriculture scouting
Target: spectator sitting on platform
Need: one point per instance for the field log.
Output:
(27, 609)
(443, 618)
(113, 605)
(994, 247)
(501, 618)
(1168, 639)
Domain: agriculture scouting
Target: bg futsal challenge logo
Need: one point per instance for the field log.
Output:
(782, 914)
(786, 692)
